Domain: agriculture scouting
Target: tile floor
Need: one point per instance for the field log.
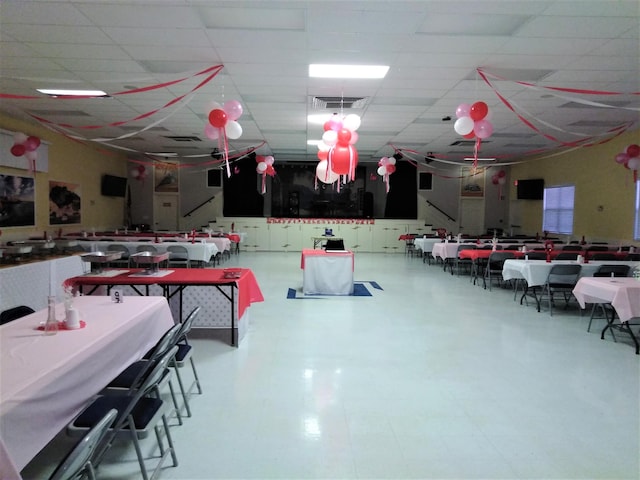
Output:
(429, 378)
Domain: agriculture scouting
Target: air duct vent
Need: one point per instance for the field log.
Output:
(183, 138)
(464, 143)
(338, 103)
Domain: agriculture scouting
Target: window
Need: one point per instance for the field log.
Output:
(557, 216)
(636, 225)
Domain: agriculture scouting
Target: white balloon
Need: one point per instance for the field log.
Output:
(261, 168)
(464, 126)
(382, 170)
(330, 137)
(323, 176)
(391, 161)
(323, 147)
(351, 122)
(634, 163)
(233, 129)
(502, 180)
(19, 138)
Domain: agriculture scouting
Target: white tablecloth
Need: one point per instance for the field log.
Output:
(622, 293)
(198, 251)
(327, 273)
(535, 272)
(426, 244)
(46, 380)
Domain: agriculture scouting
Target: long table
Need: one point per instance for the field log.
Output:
(224, 301)
(327, 272)
(46, 380)
(622, 293)
(198, 251)
(222, 242)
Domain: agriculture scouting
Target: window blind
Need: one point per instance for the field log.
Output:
(558, 209)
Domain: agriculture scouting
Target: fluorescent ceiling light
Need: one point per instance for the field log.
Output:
(319, 118)
(480, 159)
(72, 93)
(348, 71)
(314, 142)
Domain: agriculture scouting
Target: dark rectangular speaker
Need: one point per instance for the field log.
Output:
(425, 181)
(214, 177)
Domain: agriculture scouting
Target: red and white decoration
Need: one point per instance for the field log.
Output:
(223, 126)
(264, 168)
(500, 179)
(472, 123)
(386, 166)
(26, 146)
(337, 152)
(630, 158)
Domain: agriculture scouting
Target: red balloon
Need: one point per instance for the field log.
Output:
(323, 154)
(141, 168)
(478, 111)
(18, 150)
(342, 158)
(470, 135)
(495, 179)
(633, 150)
(344, 137)
(32, 143)
(260, 158)
(218, 118)
(502, 173)
(327, 125)
(390, 169)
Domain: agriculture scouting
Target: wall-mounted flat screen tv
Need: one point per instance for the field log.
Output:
(530, 189)
(113, 186)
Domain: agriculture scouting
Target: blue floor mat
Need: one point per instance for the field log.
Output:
(359, 290)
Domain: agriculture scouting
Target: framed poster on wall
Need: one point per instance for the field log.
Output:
(64, 203)
(472, 182)
(165, 176)
(17, 201)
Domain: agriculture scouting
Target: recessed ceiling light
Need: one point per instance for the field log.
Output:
(72, 93)
(347, 71)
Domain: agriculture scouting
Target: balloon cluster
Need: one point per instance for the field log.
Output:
(386, 166)
(27, 146)
(223, 125)
(499, 178)
(264, 168)
(139, 173)
(337, 153)
(630, 158)
(472, 121)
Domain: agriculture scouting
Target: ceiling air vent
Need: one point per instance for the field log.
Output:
(183, 138)
(465, 143)
(334, 103)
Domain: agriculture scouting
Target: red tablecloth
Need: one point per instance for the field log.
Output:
(248, 289)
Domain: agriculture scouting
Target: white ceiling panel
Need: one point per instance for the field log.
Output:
(433, 49)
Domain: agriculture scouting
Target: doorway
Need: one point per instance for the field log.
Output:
(165, 212)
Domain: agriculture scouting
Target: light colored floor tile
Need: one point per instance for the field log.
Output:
(431, 377)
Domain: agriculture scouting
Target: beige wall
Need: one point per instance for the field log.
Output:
(71, 162)
(605, 192)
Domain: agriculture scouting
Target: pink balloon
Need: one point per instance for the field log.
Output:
(354, 138)
(383, 161)
(211, 132)
(335, 123)
(269, 160)
(483, 129)
(32, 143)
(463, 110)
(233, 109)
(622, 158)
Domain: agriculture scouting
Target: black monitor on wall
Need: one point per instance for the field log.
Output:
(530, 189)
(113, 186)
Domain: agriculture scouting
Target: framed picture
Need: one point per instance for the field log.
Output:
(472, 182)
(165, 177)
(17, 201)
(64, 203)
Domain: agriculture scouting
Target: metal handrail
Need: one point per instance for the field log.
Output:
(188, 214)
(449, 217)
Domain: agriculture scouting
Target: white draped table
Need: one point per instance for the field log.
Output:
(45, 381)
(198, 251)
(327, 272)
